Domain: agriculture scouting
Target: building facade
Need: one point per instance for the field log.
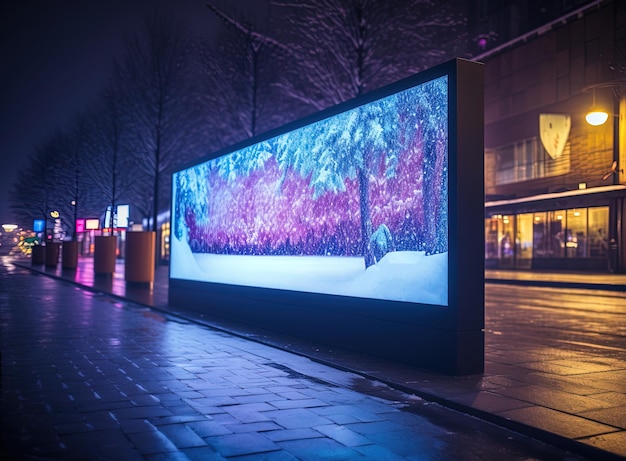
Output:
(555, 187)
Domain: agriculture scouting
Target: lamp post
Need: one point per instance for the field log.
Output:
(597, 116)
(75, 207)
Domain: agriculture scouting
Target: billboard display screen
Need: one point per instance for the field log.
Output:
(123, 212)
(355, 204)
(92, 224)
(39, 225)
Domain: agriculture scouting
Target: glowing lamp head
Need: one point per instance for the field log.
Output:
(596, 117)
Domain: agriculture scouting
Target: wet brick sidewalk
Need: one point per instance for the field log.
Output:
(86, 376)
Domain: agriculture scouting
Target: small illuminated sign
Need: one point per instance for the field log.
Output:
(123, 212)
(92, 224)
(39, 225)
(54, 214)
(80, 225)
(9, 227)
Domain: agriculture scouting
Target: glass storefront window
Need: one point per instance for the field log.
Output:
(556, 233)
(524, 239)
(506, 239)
(491, 237)
(165, 241)
(541, 241)
(549, 234)
(576, 235)
(598, 231)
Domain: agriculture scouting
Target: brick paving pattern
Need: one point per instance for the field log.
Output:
(90, 376)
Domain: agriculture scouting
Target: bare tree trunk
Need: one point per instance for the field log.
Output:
(366, 219)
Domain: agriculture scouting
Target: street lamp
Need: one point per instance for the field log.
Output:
(598, 116)
(9, 227)
(74, 236)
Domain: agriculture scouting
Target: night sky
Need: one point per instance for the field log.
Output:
(55, 58)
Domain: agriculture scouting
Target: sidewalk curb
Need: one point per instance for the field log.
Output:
(555, 284)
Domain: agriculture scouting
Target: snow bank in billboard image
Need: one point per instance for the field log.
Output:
(353, 205)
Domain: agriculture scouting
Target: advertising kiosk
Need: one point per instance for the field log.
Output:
(358, 227)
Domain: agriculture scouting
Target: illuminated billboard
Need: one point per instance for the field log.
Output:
(92, 224)
(80, 226)
(39, 225)
(354, 205)
(122, 212)
(358, 202)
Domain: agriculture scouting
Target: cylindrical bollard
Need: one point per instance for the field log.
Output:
(52, 254)
(105, 254)
(139, 261)
(38, 255)
(69, 255)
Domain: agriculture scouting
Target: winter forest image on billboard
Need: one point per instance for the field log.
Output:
(355, 204)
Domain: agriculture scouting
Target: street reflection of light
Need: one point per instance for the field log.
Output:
(114, 341)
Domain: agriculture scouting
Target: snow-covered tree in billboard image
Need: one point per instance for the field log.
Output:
(355, 205)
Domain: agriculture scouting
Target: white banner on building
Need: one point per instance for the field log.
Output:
(554, 131)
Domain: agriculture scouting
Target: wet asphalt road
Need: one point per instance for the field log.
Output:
(85, 376)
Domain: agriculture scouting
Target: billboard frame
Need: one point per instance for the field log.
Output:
(444, 339)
